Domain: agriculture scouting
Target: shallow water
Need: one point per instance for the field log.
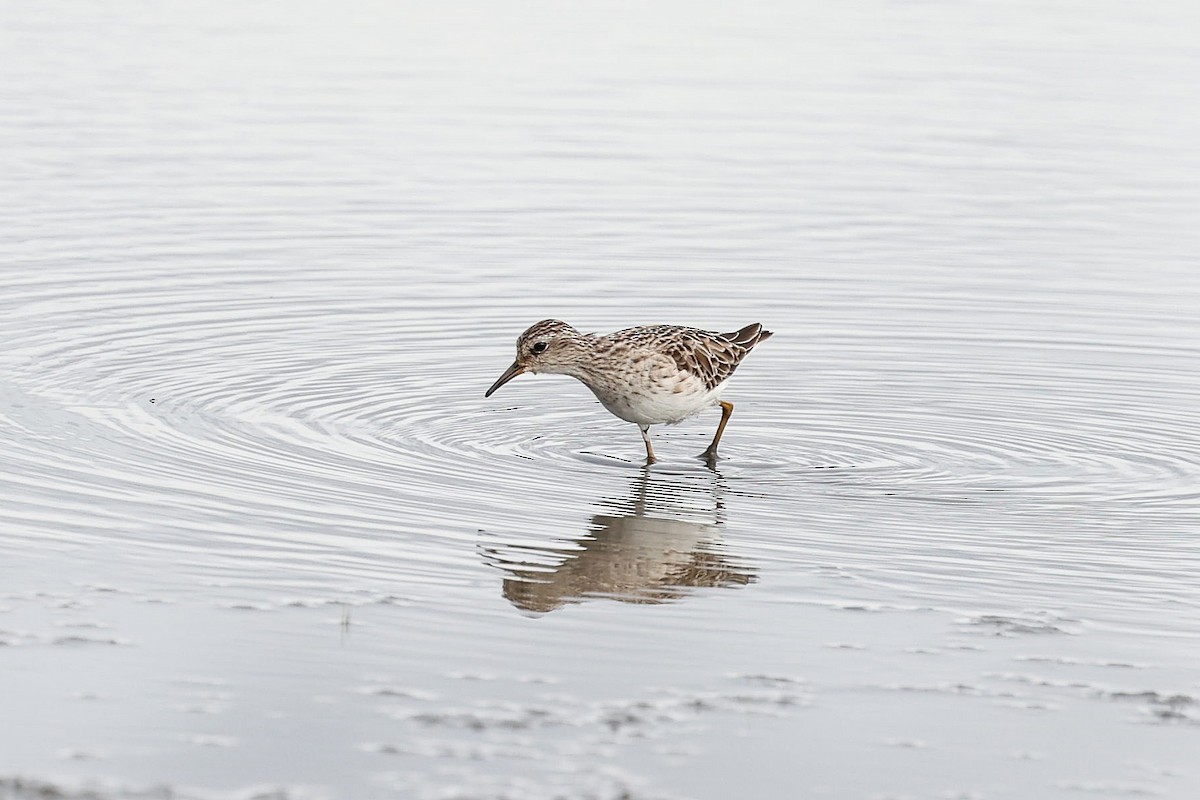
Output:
(261, 532)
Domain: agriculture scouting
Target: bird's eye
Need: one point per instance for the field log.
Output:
(540, 347)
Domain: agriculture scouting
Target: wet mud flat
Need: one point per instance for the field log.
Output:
(370, 692)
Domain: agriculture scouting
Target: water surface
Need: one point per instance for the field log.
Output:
(261, 532)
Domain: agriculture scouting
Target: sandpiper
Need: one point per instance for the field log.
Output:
(648, 375)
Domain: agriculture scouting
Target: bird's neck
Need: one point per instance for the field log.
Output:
(578, 360)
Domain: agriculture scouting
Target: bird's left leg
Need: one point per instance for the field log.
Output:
(726, 413)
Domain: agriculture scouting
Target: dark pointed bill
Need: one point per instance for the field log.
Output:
(510, 373)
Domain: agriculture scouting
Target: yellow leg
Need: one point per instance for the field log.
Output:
(726, 413)
(645, 429)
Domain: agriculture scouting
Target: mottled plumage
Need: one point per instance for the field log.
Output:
(647, 375)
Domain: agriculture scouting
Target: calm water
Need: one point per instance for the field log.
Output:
(262, 536)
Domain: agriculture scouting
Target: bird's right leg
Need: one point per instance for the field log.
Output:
(645, 429)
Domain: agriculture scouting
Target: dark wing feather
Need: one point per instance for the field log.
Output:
(748, 336)
(713, 357)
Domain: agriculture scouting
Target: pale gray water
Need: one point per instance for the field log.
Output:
(259, 529)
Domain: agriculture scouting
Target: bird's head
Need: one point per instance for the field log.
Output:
(549, 346)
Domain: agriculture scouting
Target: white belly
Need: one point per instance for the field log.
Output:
(658, 406)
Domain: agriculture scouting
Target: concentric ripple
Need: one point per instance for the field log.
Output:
(1022, 418)
(348, 434)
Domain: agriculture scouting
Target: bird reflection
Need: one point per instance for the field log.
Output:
(654, 546)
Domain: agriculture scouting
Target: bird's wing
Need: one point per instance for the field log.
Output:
(712, 357)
